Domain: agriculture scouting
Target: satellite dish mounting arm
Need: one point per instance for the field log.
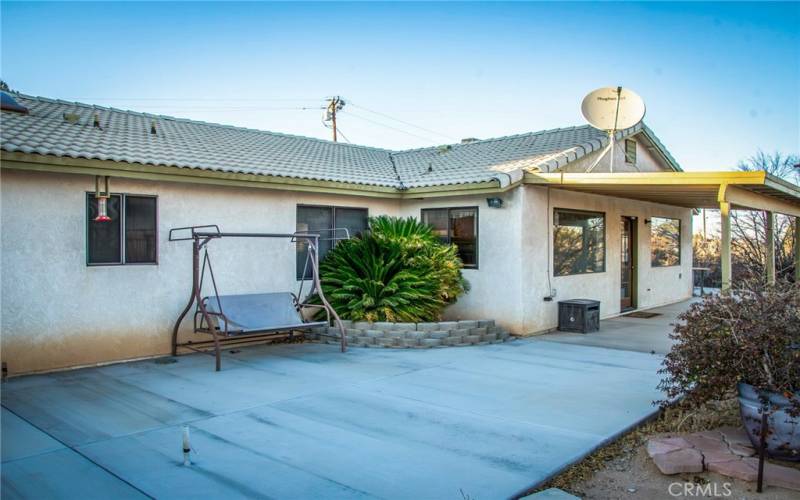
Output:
(604, 110)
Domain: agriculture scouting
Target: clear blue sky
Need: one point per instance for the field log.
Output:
(720, 80)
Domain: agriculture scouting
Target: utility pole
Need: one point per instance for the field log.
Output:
(333, 116)
(335, 104)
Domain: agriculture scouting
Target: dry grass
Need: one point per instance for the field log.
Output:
(674, 419)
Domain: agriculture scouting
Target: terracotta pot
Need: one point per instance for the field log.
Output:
(783, 431)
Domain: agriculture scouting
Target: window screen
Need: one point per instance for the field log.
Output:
(140, 229)
(352, 219)
(104, 244)
(439, 220)
(129, 237)
(665, 242)
(457, 226)
(578, 242)
(327, 221)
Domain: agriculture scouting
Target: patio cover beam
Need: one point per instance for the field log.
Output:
(746, 199)
(724, 190)
(743, 190)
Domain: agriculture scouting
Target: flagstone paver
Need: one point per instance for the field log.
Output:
(726, 451)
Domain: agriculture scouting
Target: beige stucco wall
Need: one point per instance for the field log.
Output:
(646, 160)
(656, 285)
(495, 285)
(57, 312)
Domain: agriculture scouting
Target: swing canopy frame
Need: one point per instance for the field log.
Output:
(247, 318)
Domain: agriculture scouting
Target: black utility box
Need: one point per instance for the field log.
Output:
(579, 315)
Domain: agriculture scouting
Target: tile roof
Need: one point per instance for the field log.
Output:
(497, 158)
(125, 136)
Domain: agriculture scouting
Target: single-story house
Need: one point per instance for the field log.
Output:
(531, 226)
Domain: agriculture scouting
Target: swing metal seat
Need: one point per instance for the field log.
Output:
(256, 313)
(246, 318)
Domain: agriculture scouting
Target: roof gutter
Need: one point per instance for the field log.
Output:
(509, 179)
(61, 165)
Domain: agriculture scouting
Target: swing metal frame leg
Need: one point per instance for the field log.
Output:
(200, 240)
(195, 297)
(317, 287)
(192, 298)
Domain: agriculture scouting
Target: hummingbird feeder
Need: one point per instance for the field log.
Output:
(102, 199)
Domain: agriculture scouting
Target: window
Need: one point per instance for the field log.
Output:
(630, 151)
(578, 242)
(130, 237)
(665, 242)
(325, 220)
(457, 226)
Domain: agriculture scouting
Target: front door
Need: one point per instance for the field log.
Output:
(627, 261)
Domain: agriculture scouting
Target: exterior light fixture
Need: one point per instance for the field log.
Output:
(102, 199)
(494, 202)
(647, 221)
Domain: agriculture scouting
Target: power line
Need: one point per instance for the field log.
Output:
(391, 127)
(403, 121)
(190, 99)
(335, 104)
(230, 108)
(343, 136)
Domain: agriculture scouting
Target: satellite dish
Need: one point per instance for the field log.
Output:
(612, 108)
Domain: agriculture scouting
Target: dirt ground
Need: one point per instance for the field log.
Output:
(623, 470)
(636, 477)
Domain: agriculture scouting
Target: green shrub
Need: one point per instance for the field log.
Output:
(396, 271)
(750, 334)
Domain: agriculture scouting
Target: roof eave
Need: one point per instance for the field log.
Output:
(67, 165)
(662, 151)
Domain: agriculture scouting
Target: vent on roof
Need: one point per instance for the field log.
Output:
(8, 103)
(630, 151)
(467, 140)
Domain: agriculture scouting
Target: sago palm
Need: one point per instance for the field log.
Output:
(397, 271)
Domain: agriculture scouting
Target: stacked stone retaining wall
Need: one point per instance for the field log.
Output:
(415, 335)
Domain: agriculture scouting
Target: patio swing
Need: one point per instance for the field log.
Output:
(246, 318)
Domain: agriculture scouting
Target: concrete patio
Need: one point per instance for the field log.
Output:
(629, 333)
(305, 421)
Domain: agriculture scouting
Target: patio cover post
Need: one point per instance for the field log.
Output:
(797, 249)
(769, 233)
(725, 250)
